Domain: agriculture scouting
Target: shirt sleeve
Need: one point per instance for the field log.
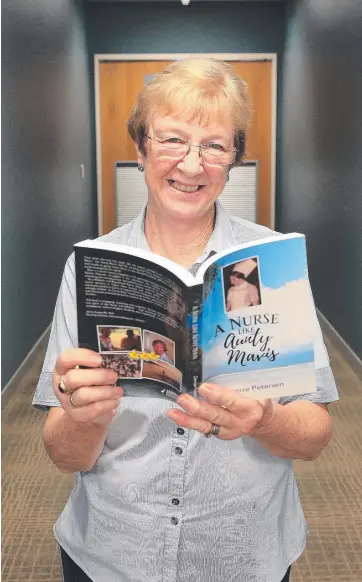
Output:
(326, 386)
(63, 335)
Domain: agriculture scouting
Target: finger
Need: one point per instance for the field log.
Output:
(227, 398)
(93, 412)
(212, 413)
(201, 425)
(75, 379)
(77, 357)
(87, 395)
(188, 421)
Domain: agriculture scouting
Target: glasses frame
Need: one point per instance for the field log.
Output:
(199, 148)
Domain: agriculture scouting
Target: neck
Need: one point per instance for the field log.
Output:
(181, 241)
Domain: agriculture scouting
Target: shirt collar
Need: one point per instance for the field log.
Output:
(221, 238)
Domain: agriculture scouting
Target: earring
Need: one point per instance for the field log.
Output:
(140, 168)
(227, 178)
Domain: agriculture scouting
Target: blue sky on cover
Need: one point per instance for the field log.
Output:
(280, 262)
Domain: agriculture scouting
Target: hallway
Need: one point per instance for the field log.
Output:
(34, 492)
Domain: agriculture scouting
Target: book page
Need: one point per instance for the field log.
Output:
(133, 312)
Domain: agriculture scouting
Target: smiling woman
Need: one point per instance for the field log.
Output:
(146, 476)
(189, 125)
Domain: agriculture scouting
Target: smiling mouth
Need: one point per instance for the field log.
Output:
(182, 188)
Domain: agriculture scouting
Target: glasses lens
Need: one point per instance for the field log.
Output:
(210, 156)
(218, 158)
(238, 275)
(173, 150)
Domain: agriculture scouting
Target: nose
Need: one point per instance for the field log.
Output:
(191, 164)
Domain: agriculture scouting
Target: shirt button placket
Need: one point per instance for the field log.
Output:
(175, 488)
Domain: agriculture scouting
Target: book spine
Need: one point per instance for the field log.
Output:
(194, 331)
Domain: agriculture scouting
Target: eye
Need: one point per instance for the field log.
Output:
(173, 140)
(215, 146)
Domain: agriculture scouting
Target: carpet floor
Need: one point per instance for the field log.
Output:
(34, 492)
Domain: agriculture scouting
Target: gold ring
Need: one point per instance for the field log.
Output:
(71, 399)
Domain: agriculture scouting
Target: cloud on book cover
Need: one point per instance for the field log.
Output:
(294, 332)
(293, 301)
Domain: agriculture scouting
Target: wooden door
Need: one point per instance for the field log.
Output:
(119, 83)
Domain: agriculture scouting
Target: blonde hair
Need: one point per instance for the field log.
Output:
(195, 88)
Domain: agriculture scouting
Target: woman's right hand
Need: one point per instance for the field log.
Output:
(95, 399)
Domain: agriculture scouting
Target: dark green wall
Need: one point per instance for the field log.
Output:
(46, 206)
(156, 27)
(321, 180)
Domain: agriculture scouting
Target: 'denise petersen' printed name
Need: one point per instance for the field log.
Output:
(259, 387)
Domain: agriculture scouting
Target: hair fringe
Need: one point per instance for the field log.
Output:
(198, 88)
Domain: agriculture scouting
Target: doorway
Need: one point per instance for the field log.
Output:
(118, 79)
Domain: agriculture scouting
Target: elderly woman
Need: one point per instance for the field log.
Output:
(153, 498)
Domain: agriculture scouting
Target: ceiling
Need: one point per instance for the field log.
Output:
(179, 1)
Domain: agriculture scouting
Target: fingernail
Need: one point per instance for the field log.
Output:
(96, 360)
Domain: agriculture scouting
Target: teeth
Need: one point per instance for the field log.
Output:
(183, 188)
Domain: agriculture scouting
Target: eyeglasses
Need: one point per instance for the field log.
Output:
(213, 154)
(237, 275)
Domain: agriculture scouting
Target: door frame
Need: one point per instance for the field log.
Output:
(99, 58)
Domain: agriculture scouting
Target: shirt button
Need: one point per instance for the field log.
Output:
(180, 431)
(178, 451)
(174, 520)
(175, 501)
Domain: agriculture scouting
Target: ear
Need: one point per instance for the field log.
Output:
(140, 157)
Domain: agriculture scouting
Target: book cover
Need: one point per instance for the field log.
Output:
(256, 320)
(245, 321)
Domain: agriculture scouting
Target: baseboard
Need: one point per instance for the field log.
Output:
(340, 344)
(24, 367)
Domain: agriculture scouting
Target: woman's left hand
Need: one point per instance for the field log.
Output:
(236, 415)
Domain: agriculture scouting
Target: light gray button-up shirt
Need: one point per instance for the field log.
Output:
(164, 504)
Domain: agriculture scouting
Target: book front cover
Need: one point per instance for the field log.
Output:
(257, 321)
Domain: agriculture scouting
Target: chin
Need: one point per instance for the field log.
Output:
(188, 209)
(196, 204)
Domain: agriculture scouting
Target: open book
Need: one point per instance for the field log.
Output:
(245, 321)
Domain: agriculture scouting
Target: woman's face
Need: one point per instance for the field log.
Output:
(185, 188)
(235, 280)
